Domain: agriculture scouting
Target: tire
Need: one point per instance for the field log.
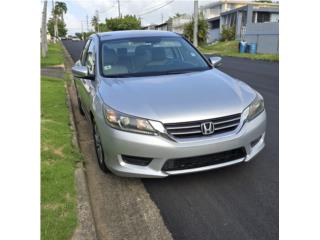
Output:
(80, 107)
(98, 148)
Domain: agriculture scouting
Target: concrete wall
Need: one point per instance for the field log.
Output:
(213, 35)
(265, 35)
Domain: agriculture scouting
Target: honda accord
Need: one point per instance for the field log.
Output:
(158, 107)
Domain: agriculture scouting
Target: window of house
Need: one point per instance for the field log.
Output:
(274, 17)
(263, 17)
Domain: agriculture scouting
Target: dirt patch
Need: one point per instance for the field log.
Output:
(58, 151)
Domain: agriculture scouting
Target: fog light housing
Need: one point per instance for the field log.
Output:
(141, 161)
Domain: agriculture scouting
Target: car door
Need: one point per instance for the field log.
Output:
(86, 87)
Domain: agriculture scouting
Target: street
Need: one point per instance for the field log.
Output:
(238, 202)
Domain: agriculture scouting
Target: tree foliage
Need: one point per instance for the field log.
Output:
(128, 22)
(94, 23)
(60, 9)
(62, 30)
(202, 30)
(228, 33)
(103, 27)
(86, 35)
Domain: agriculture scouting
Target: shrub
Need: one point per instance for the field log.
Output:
(202, 30)
(228, 33)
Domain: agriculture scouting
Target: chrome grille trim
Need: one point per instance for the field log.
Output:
(193, 129)
(185, 133)
(183, 127)
(229, 126)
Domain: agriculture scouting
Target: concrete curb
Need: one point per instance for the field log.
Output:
(86, 226)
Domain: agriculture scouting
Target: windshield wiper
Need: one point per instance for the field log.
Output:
(144, 74)
(185, 71)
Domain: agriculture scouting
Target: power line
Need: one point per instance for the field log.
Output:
(154, 6)
(150, 11)
(108, 9)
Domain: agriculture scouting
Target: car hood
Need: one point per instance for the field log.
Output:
(177, 98)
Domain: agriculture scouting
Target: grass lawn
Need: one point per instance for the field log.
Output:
(58, 162)
(54, 55)
(231, 49)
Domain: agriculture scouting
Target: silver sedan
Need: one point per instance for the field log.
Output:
(158, 107)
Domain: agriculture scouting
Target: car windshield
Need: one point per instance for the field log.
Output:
(147, 56)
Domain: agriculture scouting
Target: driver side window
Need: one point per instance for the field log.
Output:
(90, 58)
(84, 53)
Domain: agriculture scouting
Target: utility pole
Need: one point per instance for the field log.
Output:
(87, 23)
(97, 15)
(55, 25)
(195, 25)
(44, 46)
(119, 12)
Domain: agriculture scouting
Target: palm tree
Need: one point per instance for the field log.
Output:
(94, 23)
(60, 9)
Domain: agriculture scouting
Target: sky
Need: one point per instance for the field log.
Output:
(79, 9)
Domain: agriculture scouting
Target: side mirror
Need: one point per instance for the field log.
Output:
(81, 72)
(216, 61)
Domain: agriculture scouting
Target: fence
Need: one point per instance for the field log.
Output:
(265, 35)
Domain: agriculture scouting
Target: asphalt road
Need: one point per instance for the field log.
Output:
(238, 202)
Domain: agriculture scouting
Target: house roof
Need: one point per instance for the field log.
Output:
(220, 2)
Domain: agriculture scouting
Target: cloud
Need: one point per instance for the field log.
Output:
(73, 24)
(78, 9)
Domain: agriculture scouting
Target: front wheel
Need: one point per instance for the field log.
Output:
(99, 149)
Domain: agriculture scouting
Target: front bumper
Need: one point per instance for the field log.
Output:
(160, 149)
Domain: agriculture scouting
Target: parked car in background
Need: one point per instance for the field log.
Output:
(158, 107)
(75, 39)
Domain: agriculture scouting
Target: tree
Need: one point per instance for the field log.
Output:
(94, 23)
(177, 15)
(202, 30)
(60, 9)
(103, 27)
(128, 22)
(86, 35)
(62, 30)
(78, 35)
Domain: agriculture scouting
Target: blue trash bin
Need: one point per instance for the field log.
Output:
(253, 48)
(242, 46)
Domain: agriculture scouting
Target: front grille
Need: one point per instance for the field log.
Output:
(193, 129)
(203, 161)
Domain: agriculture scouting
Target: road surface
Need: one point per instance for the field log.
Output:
(238, 202)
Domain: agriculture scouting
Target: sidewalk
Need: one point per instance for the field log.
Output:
(54, 71)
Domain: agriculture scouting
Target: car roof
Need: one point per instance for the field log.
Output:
(135, 33)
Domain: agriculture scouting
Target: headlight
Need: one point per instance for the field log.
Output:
(127, 123)
(255, 108)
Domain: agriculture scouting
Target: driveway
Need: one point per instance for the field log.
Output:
(238, 202)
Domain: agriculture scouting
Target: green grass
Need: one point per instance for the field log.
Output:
(231, 49)
(58, 162)
(54, 55)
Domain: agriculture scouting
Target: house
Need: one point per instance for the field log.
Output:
(176, 24)
(149, 27)
(162, 26)
(254, 22)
